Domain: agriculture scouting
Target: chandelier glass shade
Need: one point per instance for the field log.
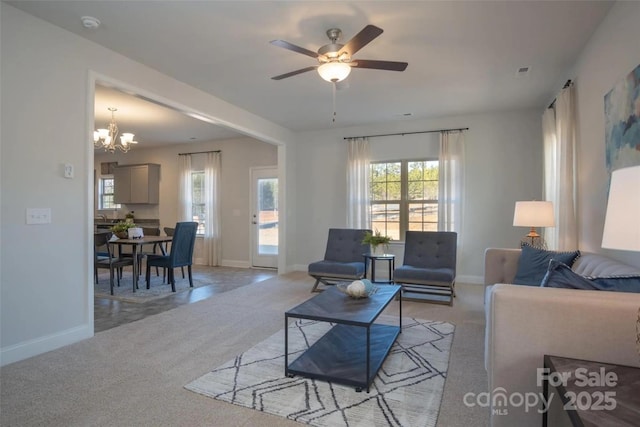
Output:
(106, 138)
(334, 71)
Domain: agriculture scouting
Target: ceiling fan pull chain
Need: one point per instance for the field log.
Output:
(334, 101)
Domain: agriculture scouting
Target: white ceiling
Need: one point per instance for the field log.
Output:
(463, 55)
(153, 124)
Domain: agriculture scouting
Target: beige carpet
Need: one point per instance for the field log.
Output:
(406, 391)
(134, 375)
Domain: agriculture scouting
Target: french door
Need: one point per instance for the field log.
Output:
(264, 217)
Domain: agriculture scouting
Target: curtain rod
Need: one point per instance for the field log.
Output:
(199, 152)
(566, 85)
(404, 133)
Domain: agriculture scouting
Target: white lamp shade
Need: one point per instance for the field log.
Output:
(334, 71)
(534, 214)
(622, 222)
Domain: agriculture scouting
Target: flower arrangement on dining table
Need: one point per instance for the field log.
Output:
(121, 229)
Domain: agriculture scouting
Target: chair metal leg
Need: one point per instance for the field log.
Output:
(148, 273)
(315, 286)
(111, 279)
(182, 268)
(190, 276)
(172, 280)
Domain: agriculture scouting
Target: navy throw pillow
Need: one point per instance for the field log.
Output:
(560, 275)
(533, 264)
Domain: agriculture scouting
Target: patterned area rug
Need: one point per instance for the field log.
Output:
(406, 392)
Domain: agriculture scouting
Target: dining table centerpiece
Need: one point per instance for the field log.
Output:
(121, 229)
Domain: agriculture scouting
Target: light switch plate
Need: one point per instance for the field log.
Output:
(68, 170)
(38, 216)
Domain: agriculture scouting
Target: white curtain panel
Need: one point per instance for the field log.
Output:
(212, 209)
(184, 192)
(560, 178)
(550, 179)
(358, 183)
(451, 192)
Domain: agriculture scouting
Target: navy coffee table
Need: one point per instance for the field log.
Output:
(353, 351)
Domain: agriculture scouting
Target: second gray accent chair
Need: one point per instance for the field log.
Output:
(343, 258)
(428, 272)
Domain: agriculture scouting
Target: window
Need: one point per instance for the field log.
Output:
(404, 196)
(198, 199)
(106, 200)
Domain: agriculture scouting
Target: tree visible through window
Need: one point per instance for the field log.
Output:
(106, 200)
(404, 196)
(198, 208)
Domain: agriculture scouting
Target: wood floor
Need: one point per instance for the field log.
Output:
(109, 313)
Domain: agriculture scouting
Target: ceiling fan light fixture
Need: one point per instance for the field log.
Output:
(334, 71)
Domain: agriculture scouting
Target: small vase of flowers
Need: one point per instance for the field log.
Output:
(379, 243)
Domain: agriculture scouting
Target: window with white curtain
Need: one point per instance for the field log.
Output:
(404, 196)
(198, 205)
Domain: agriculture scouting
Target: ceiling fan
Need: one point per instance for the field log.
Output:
(335, 60)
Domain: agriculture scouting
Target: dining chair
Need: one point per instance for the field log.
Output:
(169, 232)
(104, 258)
(180, 255)
(149, 231)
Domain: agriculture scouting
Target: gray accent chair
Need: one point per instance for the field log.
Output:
(343, 258)
(428, 272)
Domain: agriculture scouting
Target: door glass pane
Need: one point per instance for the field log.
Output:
(268, 216)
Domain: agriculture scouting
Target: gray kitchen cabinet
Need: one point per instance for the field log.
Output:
(137, 183)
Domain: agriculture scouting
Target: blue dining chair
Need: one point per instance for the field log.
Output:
(180, 255)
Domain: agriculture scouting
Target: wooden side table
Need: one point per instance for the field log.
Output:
(594, 393)
(390, 258)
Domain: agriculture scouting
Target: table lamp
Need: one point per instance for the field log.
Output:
(534, 214)
(622, 222)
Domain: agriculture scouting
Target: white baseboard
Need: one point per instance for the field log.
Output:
(298, 267)
(473, 280)
(36, 346)
(235, 263)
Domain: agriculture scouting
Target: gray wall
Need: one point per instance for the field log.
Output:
(612, 53)
(47, 79)
(503, 164)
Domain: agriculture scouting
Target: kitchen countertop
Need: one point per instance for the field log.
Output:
(138, 221)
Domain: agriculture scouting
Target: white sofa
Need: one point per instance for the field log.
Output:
(524, 323)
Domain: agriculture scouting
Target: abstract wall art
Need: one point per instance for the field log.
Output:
(622, 122)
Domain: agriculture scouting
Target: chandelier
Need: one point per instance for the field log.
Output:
(106, 138)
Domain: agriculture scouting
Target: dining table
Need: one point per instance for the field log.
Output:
(136, 244)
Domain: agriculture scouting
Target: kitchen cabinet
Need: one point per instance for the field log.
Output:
(136, 184)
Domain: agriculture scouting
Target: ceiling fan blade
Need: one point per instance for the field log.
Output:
(379, 65)
(361, 39)
(293, 73)
(294, 48)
